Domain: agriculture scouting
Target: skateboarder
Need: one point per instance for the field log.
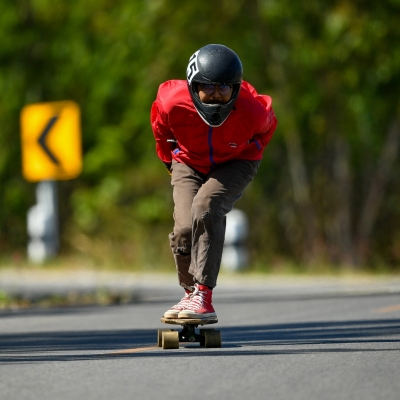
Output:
(210, 130)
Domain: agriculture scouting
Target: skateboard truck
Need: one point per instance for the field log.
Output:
(170, 339)
(188, 334)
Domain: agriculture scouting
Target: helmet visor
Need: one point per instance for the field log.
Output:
(209, 89)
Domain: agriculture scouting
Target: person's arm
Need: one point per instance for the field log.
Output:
(165, 141)
(268, 122)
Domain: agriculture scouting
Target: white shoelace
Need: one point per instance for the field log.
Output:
(185, 300)
(197, 300)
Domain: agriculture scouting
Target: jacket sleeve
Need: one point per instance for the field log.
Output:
(162, 133)
(268, 121)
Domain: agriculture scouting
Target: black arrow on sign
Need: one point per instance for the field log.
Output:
(43, 136)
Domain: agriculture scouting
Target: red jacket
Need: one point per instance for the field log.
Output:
(181, 134)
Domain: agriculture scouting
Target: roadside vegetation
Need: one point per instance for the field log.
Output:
(327, 197)
(100, 297)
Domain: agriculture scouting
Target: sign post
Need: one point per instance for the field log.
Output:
(42, 223)
(51, 151)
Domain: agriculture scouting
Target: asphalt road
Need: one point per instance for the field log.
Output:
(282, 341)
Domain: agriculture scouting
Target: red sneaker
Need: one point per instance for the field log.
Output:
(200, 304)
(174, 310)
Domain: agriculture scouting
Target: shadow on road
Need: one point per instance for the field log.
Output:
(101, 345)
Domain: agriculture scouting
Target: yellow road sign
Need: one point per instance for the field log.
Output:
(51, 141)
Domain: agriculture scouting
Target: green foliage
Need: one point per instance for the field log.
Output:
(332, 68)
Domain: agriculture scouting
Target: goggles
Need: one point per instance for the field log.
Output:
(209, 89)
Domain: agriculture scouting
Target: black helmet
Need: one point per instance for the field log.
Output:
(214, 64)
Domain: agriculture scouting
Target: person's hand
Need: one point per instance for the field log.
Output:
(168, 166)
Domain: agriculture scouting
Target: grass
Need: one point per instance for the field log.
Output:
(100, 296)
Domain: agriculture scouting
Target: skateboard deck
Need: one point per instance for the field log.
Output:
(189, 321)
(170, 339)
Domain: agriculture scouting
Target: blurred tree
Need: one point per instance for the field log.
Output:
(328, 188)
(336, 82)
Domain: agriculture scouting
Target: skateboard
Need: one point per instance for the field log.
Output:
(170, 339)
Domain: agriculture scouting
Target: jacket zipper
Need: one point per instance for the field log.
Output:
(256, 142)
(211, 154)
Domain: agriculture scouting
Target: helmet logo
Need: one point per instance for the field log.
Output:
(192, 67)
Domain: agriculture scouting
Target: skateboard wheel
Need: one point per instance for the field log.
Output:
(160, 332)
(212, 338)
(202, 340)
(170, 340)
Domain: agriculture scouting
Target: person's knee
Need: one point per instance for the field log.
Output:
(181, 240)
(202, 207)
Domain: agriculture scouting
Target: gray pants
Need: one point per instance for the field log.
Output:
(201, 204)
